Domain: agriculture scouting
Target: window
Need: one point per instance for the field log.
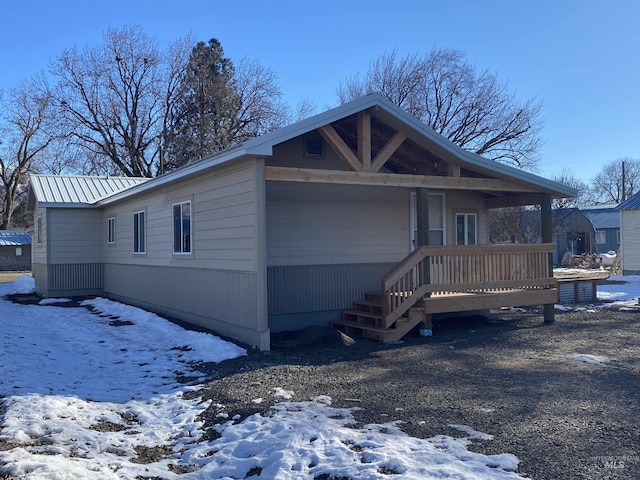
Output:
(601, 237)
(138, 232)
(182, 227)
(39, 229)
(111, 230)
(466, 229)
(618, 236)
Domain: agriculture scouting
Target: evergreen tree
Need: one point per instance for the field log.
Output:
(204, 114)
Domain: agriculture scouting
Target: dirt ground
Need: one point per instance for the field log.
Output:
(508, 375)
(6, 277)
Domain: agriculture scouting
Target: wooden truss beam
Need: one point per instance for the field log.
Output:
(287, 174)
(342, 149)
(388, 150)
(364, 139)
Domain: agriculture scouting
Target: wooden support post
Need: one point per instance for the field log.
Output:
(422, 210)
(422, 237)
(547, 237)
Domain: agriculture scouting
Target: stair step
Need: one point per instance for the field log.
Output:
(367, 305)
(362, 313)
(361, 326)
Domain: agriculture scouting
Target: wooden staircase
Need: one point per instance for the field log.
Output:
(437, 279)
(367, 320)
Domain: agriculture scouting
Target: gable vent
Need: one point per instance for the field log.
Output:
(313, 146)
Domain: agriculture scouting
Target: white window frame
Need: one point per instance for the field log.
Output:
(39, 229)
(601, 235)
(139, 234)
(466, 216)
(186, 244)
(111, 230)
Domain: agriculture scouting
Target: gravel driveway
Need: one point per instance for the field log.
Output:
(564, 416)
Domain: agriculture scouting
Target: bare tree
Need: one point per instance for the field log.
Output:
(566, 177)
(472, 109)
(114, 98)
(608, 185)
(26, 134)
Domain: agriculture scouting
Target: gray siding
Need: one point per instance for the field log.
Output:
(39, 248)
(296, 289)
(317, 224)
(221, 301)
(74, 236)
(630, 241)
(219, 285)
(75, 279)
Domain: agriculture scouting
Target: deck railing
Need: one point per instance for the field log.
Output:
(435, 270)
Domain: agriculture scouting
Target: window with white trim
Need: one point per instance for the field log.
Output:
(601, 237)
(466, 229)
(139, 234)
(182, 227)
(111, 230)
(39, 229)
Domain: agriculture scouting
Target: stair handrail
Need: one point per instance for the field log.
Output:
(405, 285)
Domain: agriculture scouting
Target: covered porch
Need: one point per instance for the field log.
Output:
(376, 191)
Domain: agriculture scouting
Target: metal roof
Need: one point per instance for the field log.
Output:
(14, 238)
(77, 190)
(603, 217)
(631, 203)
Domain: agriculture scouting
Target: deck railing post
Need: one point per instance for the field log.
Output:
(547, 237)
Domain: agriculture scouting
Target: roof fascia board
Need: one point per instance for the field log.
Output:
(235, 153)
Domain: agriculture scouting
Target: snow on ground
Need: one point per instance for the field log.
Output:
(86, 392)
(592, 359)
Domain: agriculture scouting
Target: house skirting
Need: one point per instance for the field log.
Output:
(299, 296)
(68, 279)
(225, 302)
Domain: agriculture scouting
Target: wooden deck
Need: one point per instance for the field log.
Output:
(446, 279)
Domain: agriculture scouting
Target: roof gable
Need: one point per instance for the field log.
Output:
(88, 191)
(50, 190)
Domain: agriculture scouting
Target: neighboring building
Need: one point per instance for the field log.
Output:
(15, 251)
(290, 228)
(606, 222)
(629, 211)
(572, 231)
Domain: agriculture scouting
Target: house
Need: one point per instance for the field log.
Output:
(293, 227)
(629, 212)
(15, 251)
(606, 222)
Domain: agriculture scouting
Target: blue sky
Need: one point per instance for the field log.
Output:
(581, 57)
